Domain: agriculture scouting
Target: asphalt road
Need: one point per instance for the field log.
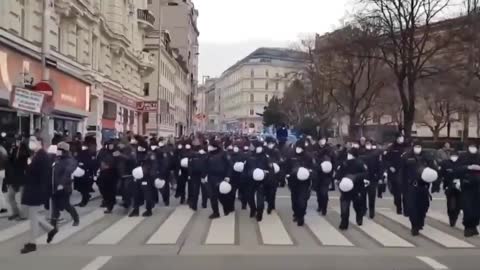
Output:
(176, 238)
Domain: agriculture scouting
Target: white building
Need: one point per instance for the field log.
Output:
(95, 57)
(247, 87)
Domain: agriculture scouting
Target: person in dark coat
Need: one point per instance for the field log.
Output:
(372, 159)
(15, 176)
(325, 157)
(164, 160)
(107, 183)
(397, 184)
(35, 193)
(197, 169)
(62, 179)
(218, 170)
(452, 186)
(87, 161)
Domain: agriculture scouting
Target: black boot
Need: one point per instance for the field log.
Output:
(76, 222)
(415, 231)
(269, 210)
(214, 216)
(252, 213)
(259, 216)
(147, 213)
(135, 213)
(300, 221)
(343, 225)
(103, 204)
(51, 234)
(3, 211)
(453, 222)
(359, 220)
(28, 248)
(372, 214)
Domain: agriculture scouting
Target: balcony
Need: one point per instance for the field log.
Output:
(147, 64)
(146, 19)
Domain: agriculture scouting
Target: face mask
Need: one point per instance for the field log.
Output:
(161, 144)
(180, 146)
(322, 142)
(472, 149)
(350, 157)
(230, 148)
(211, 148)
(245, 148)
(188, 146)
(454, 158)
(84, 148)
(298, 150)
(374, 147)
(400, 140)
(59, 153)
(368, 147)
(201, 152)
(259, 150)
(417, 150)
(32, 145)
(235, 149)
(271, 146)
(265, 144)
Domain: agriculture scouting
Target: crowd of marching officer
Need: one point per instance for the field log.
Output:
(138, 173)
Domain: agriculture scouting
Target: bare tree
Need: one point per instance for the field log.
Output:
(408, 40)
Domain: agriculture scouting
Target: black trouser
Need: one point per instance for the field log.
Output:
(453, 196)
(256, 192)
(418, 202)
(205, 196)
(143, 193)
(61, 202)
(270, 190)
(194, 191)
(243, 191)
(108, 192)
(358, 200)
(300, 195)
(399, 190)
(470, 205)
(84, 186)
(371, 197)
(165, 192)
(213, 193)
(322, 186)
(127, 189)
(181, 185)
(229, 199)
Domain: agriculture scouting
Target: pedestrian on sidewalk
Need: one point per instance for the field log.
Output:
(15, 176)
(3, 163)
(35, 193)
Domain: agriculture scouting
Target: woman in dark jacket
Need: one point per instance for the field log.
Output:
(35, 193)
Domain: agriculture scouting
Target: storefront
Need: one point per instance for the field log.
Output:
(68, 107)
(120, 114)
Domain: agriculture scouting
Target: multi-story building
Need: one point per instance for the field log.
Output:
(94, 53)
(213, 105)
(246, 87)
(179, 19)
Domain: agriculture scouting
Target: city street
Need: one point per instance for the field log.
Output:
(176, 238)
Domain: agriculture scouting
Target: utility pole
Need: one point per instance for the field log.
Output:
(47, 6)
(159, 64)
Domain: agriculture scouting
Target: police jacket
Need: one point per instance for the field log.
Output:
(355, 169)
(197, 166)
(469, 177)
(164, 160)
(392, 157)
(258, 161)
(296, 161)
(371, 158)
(218, 166)
(414, 165)
(448, 172)
(88, 162)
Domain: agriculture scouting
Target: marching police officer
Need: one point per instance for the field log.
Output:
(392, 158)
(452, 186)
(371, 158)
(218, 170)
(87, 160)
(197, 170)
(272, 181)
(164, 163)
(325, 157)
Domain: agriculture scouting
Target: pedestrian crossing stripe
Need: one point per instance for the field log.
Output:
(443, 218)
(169, 232)
(223, 231)
(429, 232)
(380, 234)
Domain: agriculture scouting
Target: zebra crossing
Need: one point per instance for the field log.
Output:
(272, 231)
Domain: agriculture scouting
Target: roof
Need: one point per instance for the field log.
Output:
(282, 54)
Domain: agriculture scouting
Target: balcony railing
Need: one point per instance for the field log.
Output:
(145, 16)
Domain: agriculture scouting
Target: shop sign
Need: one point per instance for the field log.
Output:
(27, 100)
(147, 106)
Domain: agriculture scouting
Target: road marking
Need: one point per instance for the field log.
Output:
(222, 231)
(326, 233)
(443, 218)
(430, 232)
(66, 231)
(172, 228)
(115, 233)
(97, 263)
(272, 230)
(338, 197)
(14, 230)
(432, 263)
(380, 233)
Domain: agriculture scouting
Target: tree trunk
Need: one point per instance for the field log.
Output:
(353, 127)
(436, 134)
(466, 124)
(408, 120)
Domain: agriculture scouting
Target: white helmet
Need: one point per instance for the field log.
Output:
(79, 172)
(238, 166)
(159, 183)
(429, 175)
(225, 187)
(258, 175)
(326, 166)
(137, 173)
(303, 174)
(184, 162)
(276, 168)
(346, 184)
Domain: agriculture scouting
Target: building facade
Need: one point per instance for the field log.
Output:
(179, 20)
(95, 57)
(246, 87)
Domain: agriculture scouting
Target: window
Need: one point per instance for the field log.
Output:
(252, 73)
(252, 112)
(78, 42)
(109, 110)
(93, 53)
(252, 98)
(252, 84)
(266, 73)
(376, 118)
(145, 117)
(266, 98)
(276, 86)
(266, 85)
(132, 117)
(149, 2)
(146, 89)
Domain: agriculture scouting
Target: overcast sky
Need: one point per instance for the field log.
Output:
(231, 29)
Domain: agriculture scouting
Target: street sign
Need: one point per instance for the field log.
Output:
(27, 100)
(147, 106)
